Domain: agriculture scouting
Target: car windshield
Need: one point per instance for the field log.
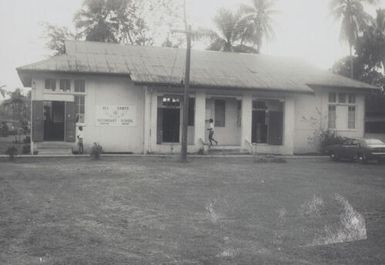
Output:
(373, 141)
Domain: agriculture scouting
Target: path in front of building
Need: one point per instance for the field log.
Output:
(154, 210)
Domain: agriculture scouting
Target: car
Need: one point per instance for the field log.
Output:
(361, 150)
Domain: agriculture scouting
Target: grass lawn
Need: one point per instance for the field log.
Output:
(207, 211)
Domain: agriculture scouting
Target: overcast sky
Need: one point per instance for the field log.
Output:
(303, 29)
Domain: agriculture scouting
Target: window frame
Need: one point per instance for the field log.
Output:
(191, 111)
(50, 81)
(342, 99)
(78, 106)
(67, 82)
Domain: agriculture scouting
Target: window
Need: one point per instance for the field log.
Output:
(79, 108)
(65, 85)
(352, 117)
(342, 114)
(220, 116)
(170, 102)
(352, 99)
(332, 117)
(332, 97)
(341, 98)
(80, 86)
(191, 111)
(50, 84)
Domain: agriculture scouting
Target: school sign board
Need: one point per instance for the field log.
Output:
(115, 115)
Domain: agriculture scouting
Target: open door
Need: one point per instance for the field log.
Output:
(37, 121)
(70, 122)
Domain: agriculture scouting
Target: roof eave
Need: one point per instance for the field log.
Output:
(367, 88)
(26, 74)
(195, 85)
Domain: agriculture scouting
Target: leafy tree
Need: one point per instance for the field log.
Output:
(17, 107)
(97, 20)
(361, 70)
(353, 19)
(371, 46)
(258, 21)
(3, 91)
(120, 21)
(229, 34)
(368, 64)
(56, 36)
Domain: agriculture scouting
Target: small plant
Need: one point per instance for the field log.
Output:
(11, 152)
(26, 149)
(201, 151)
(269, 159)
(328, 137)
(96, 151)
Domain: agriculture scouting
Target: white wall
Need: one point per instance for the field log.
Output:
(303, 116)
(311, 116)
(102, 90)
(114, 91)
(230, 134)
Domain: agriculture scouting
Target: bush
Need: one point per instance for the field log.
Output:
(4, 130)
(329, 138)
(96, 151)
(26, 149)
(11, 152)
(27, 139)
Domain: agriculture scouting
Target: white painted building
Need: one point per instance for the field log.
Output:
(129, 99)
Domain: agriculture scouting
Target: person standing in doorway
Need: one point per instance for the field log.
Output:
(211, 132)
(80, 140)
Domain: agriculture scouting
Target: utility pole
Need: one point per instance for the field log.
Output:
(183, 154)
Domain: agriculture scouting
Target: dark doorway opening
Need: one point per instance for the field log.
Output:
(170, 125)
(54, 120)
(267, 122)
(259, 126)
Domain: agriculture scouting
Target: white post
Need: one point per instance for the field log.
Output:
(199, 117)
(247, 109)
(288, 125)
(147, 120)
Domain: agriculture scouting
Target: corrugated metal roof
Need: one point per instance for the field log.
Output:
(156, 65)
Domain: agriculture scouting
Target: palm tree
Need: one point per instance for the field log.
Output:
(258, 22)
(95, 21)
(229, 33)
(353, 19)
(371, 46)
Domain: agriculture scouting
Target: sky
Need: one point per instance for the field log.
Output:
(303, 29)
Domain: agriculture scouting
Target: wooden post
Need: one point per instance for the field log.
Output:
(183, 155)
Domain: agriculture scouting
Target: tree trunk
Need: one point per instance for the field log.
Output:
(351, 61)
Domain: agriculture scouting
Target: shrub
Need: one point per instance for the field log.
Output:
(11, 152)
(329, 138)
(96, 151)
(4, 130)
(201, 151)
(26, 149)
(27, 139)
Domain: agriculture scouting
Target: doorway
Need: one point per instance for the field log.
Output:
(168, 120)
(54, 120)
(267, 122)
(259, 126)
(170, 125)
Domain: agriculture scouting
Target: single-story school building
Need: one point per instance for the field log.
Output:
(129, 99)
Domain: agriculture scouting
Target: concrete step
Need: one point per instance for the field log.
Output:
(55, 145)
(54, 151)
(54, 148)
(226, 149)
